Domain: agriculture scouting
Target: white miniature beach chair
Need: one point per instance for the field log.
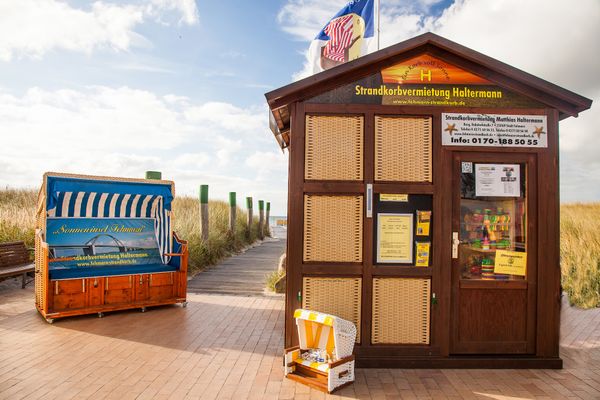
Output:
(322, 331)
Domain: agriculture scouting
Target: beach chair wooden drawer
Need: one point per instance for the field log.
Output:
(118, 289)
(69, 286)
(69, 294)
(159, 293)
(161, 279)
(119, 282)
(160, 286)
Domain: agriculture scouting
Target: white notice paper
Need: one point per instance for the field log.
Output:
(498, 130)
(498, 180)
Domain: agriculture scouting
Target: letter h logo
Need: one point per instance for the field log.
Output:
(426, 74)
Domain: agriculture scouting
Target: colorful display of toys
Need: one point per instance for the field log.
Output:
(487, 230)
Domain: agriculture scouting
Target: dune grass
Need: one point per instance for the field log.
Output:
(17, 215)
(220, 242)
(579, 247)
(580, 253)
(17, 222)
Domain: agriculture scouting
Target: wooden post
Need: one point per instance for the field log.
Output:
(267, 215)
(232, 209)
(204, 212)
(250, 216)
(157, 175)
(261, 219)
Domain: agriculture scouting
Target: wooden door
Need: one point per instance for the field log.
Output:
(494, 234)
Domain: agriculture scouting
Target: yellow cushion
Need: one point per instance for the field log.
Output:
(318, 366)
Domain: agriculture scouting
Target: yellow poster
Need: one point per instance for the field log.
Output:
(393, 197)
(422, 259)
(423, 221)
(394, 238)
(510, 262)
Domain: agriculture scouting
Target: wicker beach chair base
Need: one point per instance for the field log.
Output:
(325, 332)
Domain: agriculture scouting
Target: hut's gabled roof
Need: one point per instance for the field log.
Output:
(566, 102)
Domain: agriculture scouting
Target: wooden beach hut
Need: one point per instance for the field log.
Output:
(423, 205)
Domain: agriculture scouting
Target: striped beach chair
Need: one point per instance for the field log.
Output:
(323, 332)
(94, 212)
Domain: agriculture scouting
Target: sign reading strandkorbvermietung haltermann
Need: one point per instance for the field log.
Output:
(498, 130)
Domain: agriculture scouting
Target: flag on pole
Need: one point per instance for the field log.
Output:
(347, 36)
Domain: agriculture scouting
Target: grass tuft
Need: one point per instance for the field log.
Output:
(272, 278)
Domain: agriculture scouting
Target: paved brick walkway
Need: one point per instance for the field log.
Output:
(229, 347)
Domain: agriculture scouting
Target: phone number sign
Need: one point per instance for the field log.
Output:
(498, 130)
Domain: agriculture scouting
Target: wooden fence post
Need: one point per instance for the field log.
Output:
(204, 212)
(232, 212)
(268, 222)
(157, 175)
(261, 219)
(250, 216)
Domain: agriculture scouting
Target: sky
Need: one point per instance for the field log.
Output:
(117, 87)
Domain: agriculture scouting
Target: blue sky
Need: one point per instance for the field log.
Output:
(119, 87)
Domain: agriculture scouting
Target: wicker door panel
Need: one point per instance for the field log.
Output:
(40, 256)
(334, 148)
(401, 311)
(336, 296)
(403, 149)
(333, 228)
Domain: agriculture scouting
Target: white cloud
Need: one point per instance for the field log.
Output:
(303, 19)
(123, 132)
(398, 27)
(192, 160)
(186, 8)
(239, 120)
(141, 67)
(405, 7)
(545, 38)
(32, 28)
(267, 162)
(227, 148)
(557, 45)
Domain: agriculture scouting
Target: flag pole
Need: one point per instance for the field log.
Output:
(378, 25)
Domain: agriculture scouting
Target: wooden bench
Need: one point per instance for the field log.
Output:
(14, 261)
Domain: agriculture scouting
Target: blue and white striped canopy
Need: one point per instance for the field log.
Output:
(116, 200)
(104, 205)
